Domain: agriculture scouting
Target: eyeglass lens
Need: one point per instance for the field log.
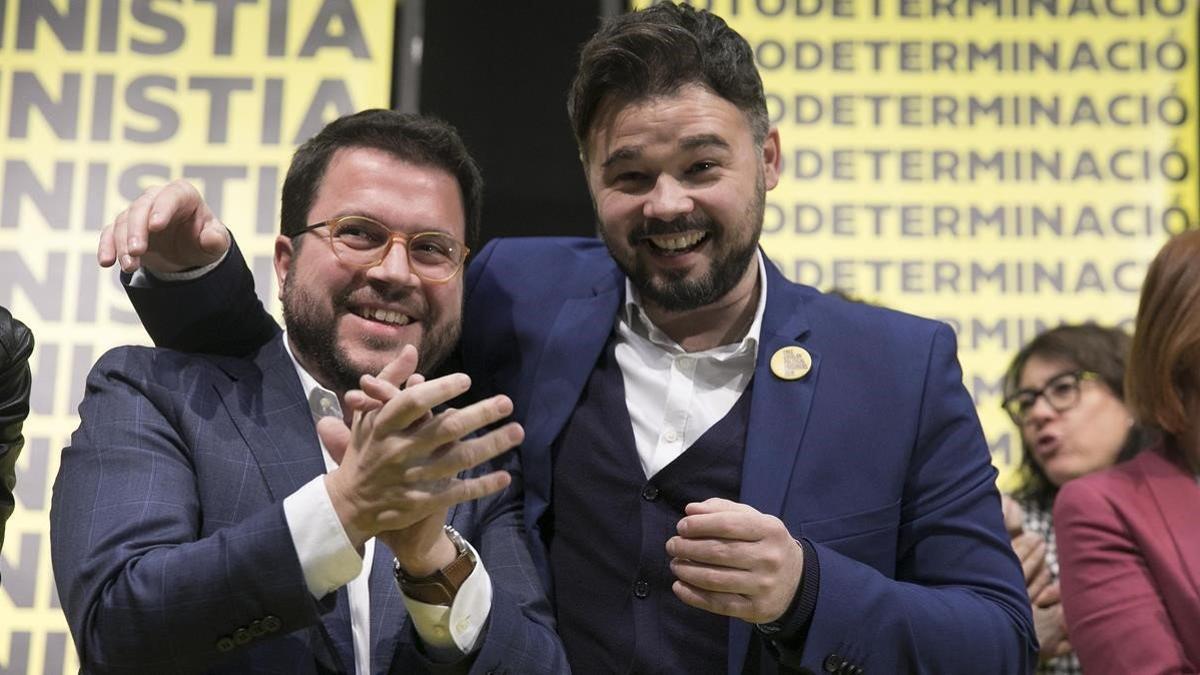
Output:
(1061, 392)
(363, 242)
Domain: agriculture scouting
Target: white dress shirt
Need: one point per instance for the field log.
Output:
(674, 396)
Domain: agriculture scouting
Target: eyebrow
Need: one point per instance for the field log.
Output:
(630, 152)
(1031, 390)
(439, 229)
(703, 141)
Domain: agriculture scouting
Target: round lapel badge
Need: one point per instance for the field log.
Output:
(791, 363)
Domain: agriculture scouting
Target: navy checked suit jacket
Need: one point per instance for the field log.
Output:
(169, 539)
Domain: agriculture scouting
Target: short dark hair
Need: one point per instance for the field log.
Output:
(1099, 349)
(1163, 380)
(417, 139)
(655, 52)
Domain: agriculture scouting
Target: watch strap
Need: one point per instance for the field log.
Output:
(440, 587)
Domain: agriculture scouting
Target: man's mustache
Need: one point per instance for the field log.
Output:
(653, 227)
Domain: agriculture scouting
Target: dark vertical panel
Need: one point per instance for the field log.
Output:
(499, 71)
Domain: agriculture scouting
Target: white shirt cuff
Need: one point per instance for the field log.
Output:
(327, 557)
(143, 277)
(450, 632)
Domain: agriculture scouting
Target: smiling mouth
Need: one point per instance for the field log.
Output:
(676, 243)
(388, 316)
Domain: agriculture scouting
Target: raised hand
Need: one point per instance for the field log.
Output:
(166, 229)
(732, 560)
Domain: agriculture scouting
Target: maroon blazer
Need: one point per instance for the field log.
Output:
(1129, 555)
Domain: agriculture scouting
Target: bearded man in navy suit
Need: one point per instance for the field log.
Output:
(200, 523)
(724, 470)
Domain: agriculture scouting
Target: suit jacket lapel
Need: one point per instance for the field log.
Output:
(270, 410)
(1174, 492)
(778, 416)
(578, 334)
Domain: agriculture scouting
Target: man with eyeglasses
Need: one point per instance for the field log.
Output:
(264, 513)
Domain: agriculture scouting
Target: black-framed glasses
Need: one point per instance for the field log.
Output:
(361, 242)
(1060, 391)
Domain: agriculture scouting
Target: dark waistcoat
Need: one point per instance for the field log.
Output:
(608, 531)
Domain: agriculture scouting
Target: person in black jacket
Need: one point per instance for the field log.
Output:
(16, 343)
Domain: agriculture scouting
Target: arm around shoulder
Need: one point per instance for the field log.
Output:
(216, 313)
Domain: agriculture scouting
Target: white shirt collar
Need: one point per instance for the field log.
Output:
(633, 316)
(321, 401)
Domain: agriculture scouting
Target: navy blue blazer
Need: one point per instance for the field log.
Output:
(876, 456)
(171, 550)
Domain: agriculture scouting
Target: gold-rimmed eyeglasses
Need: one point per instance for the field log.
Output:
(361, 242)
(1060, 391)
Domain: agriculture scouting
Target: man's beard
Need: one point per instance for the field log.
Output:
(671, 289)
(314, 336)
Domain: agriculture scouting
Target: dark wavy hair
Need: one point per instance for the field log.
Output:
(417, 139)
(657, 51)
(1098, 349)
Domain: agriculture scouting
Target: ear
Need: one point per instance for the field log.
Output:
(285, 252)
(771, 158)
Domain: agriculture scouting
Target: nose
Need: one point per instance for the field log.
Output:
(667, 201)
(394, 268)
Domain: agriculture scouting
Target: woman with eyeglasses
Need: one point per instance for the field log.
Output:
(1064, 393)
(1129, 537)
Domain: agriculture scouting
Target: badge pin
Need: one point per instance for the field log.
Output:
(791, 363)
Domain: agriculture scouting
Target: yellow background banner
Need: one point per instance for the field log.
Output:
(100, 99)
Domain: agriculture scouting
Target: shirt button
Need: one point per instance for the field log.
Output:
(641, 589)
(650, 493)
(686, 366)
(671, 436)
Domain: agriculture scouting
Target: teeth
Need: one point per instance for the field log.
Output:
(676, 242)
(387, 316)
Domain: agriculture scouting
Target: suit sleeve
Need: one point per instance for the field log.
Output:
(1117, 620)
(217, 313)
(142, 590)
(957, 602)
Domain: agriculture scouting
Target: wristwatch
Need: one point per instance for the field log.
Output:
(440, 587)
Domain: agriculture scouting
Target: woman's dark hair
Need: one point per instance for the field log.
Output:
(1089, 347)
